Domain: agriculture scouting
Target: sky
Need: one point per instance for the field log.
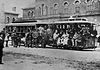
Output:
(19, 4)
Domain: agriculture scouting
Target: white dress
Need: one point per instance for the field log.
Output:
(65, 39)
(55, 36)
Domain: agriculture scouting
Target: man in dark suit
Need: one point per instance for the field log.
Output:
(2, 37)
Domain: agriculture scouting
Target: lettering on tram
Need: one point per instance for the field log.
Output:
(68, 34)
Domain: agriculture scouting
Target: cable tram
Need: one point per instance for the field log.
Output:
(71, 33)
(77, 34)
(29, 32)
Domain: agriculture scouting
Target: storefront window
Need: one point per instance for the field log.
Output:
(8, 19)
(13, 20)
(66, 7)
(76, 2)
(29, 14)
(55, 8)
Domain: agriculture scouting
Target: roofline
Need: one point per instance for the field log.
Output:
(28, 8)
(11, 13)
(24, 21)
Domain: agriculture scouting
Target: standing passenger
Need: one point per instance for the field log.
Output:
(49, 35)
(35, 36)
(40, 38)
(19, 40)
(99, 40)
(14, 40)
(7, 39)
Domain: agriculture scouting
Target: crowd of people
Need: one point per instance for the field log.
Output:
(72, 36)
(32, 38)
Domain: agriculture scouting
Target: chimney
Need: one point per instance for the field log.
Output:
(14, 9)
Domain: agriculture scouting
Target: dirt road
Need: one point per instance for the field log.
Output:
(50, 59)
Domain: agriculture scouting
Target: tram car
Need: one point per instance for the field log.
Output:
(32, 34)
(74, 33)
(22, 30)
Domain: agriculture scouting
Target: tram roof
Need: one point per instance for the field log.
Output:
(26, 24)
(20, 24)
(84, 22)
(55, 22)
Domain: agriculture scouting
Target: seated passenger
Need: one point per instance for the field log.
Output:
(76, 38)
(59, 41)
(49, 33)
(55, 35)
(64, 38)
(41, 30)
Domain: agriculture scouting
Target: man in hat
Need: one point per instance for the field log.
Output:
(34, 36)
(2, 37)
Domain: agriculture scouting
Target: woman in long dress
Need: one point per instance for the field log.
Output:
(55, 36)
(65, 38)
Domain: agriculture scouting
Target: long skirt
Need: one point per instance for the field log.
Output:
(1, 54)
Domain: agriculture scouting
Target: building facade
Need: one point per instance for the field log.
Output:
(58, 9)
(29, 13)
(10, 17)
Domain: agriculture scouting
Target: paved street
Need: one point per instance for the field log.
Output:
(50, 59)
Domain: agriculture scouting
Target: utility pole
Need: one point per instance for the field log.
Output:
(2, 16)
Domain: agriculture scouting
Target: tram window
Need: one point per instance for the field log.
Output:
(21, 30)
(68, 26)
(18, 29)
(8, 29)
(56, 26)
(33, 28)
(60, 26)
(24, 29)
(27, 29)
(63, 26)
(12, 29)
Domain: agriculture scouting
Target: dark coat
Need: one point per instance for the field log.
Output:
(99, 39)
(1, 44)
